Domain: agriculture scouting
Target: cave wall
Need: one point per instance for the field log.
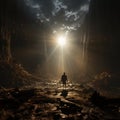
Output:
(7, 14)
(104, 38)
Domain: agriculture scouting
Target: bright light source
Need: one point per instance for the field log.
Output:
(61, 41)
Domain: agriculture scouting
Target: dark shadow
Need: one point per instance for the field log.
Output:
(64, 93)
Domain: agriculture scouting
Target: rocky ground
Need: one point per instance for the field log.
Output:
(52, 102)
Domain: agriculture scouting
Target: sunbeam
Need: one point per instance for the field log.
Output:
(62, 41)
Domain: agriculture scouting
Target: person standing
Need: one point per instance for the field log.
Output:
(64, 80)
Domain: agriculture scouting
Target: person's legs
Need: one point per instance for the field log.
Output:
(65, 85)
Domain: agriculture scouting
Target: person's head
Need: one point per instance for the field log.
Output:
(64, 73)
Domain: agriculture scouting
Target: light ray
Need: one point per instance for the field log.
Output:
(62, 41)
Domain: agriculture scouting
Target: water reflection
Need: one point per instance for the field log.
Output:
(64, 93)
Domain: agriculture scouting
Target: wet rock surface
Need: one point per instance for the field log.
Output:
(56, 104)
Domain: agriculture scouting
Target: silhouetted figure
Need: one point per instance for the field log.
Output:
(64, 79)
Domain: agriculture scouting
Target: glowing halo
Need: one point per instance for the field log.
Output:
(61, 41)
